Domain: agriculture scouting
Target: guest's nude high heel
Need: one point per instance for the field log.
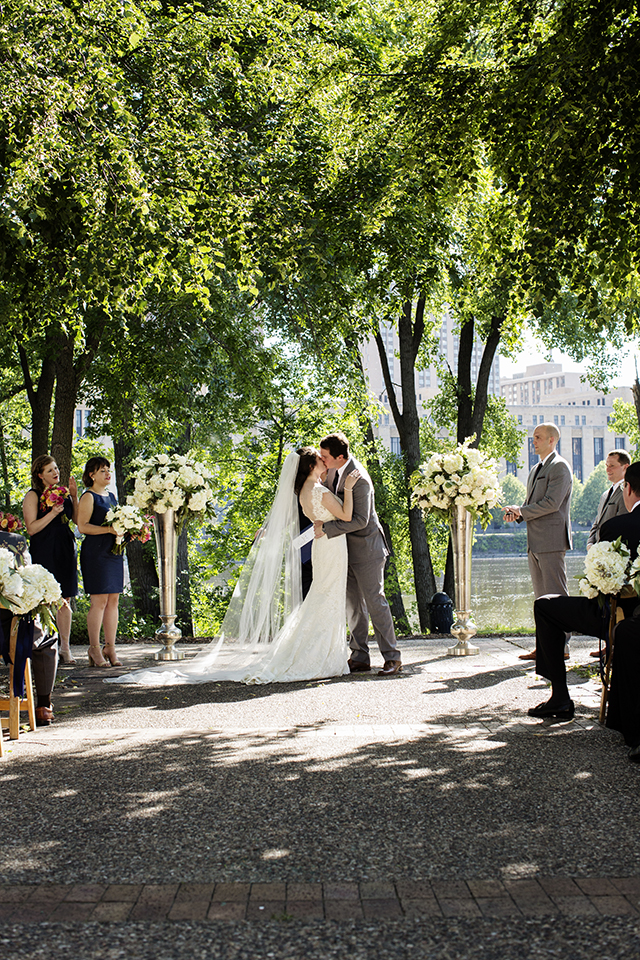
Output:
(66, 656)
(93, 659)
(110, 654)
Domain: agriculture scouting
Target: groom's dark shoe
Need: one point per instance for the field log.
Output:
(357, 666)
(390, 667)
(561, 711)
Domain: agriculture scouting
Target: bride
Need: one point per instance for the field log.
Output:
(268, 634)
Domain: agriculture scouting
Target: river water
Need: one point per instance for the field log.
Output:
(501, 593)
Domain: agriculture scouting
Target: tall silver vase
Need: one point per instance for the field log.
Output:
(164, 525)
(461, 539)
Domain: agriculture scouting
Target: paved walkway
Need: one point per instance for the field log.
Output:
(378, 900)
(421, 815)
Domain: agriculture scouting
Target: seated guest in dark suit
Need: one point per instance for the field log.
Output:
(623, 710)
(555, 616)
(44, 656)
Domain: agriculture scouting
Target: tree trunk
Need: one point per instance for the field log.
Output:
(64, 408)
(6, 495)
(140, 557)
(40, 398)
(635, 390)
(184, 612)
(410, 333)
(391, 580)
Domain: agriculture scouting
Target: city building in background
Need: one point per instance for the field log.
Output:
(543, 393)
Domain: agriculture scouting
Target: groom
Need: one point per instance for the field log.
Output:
(367, 555)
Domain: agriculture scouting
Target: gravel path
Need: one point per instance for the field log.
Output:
(436, 774)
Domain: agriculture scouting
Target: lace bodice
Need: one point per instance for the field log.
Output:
(320, 512)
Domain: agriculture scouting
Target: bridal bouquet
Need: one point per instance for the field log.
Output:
(29, 590)
(173, 483)
(606, 569)
(463, 477)
(10, 523)
(127, 519)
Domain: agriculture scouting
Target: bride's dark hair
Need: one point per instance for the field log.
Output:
(308, 459)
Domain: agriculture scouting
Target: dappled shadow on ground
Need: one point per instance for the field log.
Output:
(310, 804)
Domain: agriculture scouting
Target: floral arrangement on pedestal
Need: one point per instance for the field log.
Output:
(128, 523)
(10, 523)
(173, 482)
(464, 477)
(607, 570)
(28, 590)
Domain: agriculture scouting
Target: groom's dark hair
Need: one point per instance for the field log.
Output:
(337, 445)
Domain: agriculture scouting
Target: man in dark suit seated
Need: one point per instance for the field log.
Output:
(44, 656)
(623, 710)
(555, 616)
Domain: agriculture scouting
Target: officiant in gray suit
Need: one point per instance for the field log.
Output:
(612, 500)
(368, 552)
(546, 511)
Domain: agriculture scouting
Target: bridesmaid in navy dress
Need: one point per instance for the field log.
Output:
(102, 570)
(52, 543)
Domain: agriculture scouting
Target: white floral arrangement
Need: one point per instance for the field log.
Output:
(634, 574)
(127, 520)
(463, 477)
(606, 569)
(173, 482)
(28, 590)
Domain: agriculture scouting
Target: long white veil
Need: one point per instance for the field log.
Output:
(268, 591)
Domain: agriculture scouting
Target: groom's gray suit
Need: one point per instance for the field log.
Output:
(365, 580)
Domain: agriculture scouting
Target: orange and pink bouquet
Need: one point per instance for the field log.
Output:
(10, 523)
(54, 496)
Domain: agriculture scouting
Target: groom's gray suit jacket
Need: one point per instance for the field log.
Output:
(365, 539)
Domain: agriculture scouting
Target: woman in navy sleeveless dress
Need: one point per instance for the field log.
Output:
(102, 570)
(52, 542)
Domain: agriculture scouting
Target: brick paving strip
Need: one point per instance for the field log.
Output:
(377, 900)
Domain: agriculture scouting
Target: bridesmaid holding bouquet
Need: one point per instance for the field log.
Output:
(102, 569)
(47, 509)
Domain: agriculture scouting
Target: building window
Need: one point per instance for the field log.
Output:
(620, 443)
(535, 420)
(395, 446)
(562, 421)
(576, 452)
(555, 420)
(79, 422)
(584, 421)
(519, 418)
(577, 421)
(533, 456)
(512, 468)
(598, 450)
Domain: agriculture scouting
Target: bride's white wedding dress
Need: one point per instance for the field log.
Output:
(311, 644)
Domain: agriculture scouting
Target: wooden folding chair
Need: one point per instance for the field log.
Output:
(17, 705)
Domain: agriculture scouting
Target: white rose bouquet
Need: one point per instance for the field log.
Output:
(173, 482)
(28, 590)
(128, 522)
(606, 570)
(464, 477)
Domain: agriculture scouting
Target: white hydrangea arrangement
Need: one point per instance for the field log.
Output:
(606, 569)
(172, 482)
(127, 519)
(634, 575)
(463, 477)
(28, 590)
